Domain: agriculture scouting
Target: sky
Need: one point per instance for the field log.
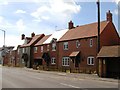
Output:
(46, 16)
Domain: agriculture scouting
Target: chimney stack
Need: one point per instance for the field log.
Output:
(32, 34)
(71, 25)
(109, 16)
(22, 36)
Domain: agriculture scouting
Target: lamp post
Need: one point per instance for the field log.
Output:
(4, 36)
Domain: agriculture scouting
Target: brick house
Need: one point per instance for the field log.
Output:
(6, 54)
(49, 49)
(78, 47)
(38, 52)
(27, 49)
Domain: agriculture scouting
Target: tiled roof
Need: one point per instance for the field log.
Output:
(33, 41)
(83, 31)
(57, 35)
(40, 42)
(109, 51)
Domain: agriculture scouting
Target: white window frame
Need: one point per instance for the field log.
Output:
(53, 60)
(91, 42)
(18, 51)
(65, 61)
(41, 48)
(77, 43)
(35, 49)
(53, 46)
(23, 50)
(89, 60)
(65, 45)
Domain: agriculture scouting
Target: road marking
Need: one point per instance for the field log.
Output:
(69, 85)
(36, 78)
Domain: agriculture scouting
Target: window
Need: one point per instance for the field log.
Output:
(65, 61)
(65, 45)
(41, 48)
(24, 50)
(35, 49)
(91, 42)
(53, 60)
(90, 60)
(48, 47)
(77, 44)
(18, 51)
(53, 46)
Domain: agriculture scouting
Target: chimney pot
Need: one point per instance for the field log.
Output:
(23, 36)
(109, 16)
(71, 25)
(32, 34)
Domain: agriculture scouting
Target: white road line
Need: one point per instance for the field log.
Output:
(36, 78)
(69, 85)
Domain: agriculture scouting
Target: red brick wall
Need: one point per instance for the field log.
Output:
(109, 36)
(85, 51)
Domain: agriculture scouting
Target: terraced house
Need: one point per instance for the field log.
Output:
(78, 46)
(27, 49)
(73, 49)
(49, 49)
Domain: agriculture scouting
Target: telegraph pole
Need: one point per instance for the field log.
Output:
(98, 38)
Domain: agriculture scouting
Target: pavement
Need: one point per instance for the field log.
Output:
(75, 75)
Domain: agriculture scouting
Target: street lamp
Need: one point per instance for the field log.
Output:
(4, 36)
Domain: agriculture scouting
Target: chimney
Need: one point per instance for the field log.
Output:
(32, 34)
(109, 16)
(71, 25)
(22, 36)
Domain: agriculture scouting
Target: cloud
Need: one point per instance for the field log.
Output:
(116, 11)
(20, 25)
(1, 19)
(20, 11)
(11, 40)
(116, 1)
(57, 10)
(3, 2)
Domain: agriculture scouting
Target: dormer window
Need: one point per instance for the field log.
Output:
(53, 46)
(35, 49)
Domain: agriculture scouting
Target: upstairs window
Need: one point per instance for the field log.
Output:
(24, 50)
(53, 46)
(35, 49)
(41, 48)
(77, 44)
(90, 60)
(18, 51)
(65, 46)
(53, 60)
(91, 42)
(48, 47)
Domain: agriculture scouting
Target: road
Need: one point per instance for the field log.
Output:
(21, 78)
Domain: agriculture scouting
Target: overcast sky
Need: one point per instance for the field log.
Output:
(46, 16)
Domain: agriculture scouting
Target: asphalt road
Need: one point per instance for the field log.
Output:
(20, 78)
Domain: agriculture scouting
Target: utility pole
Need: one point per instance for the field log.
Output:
(98, 38)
